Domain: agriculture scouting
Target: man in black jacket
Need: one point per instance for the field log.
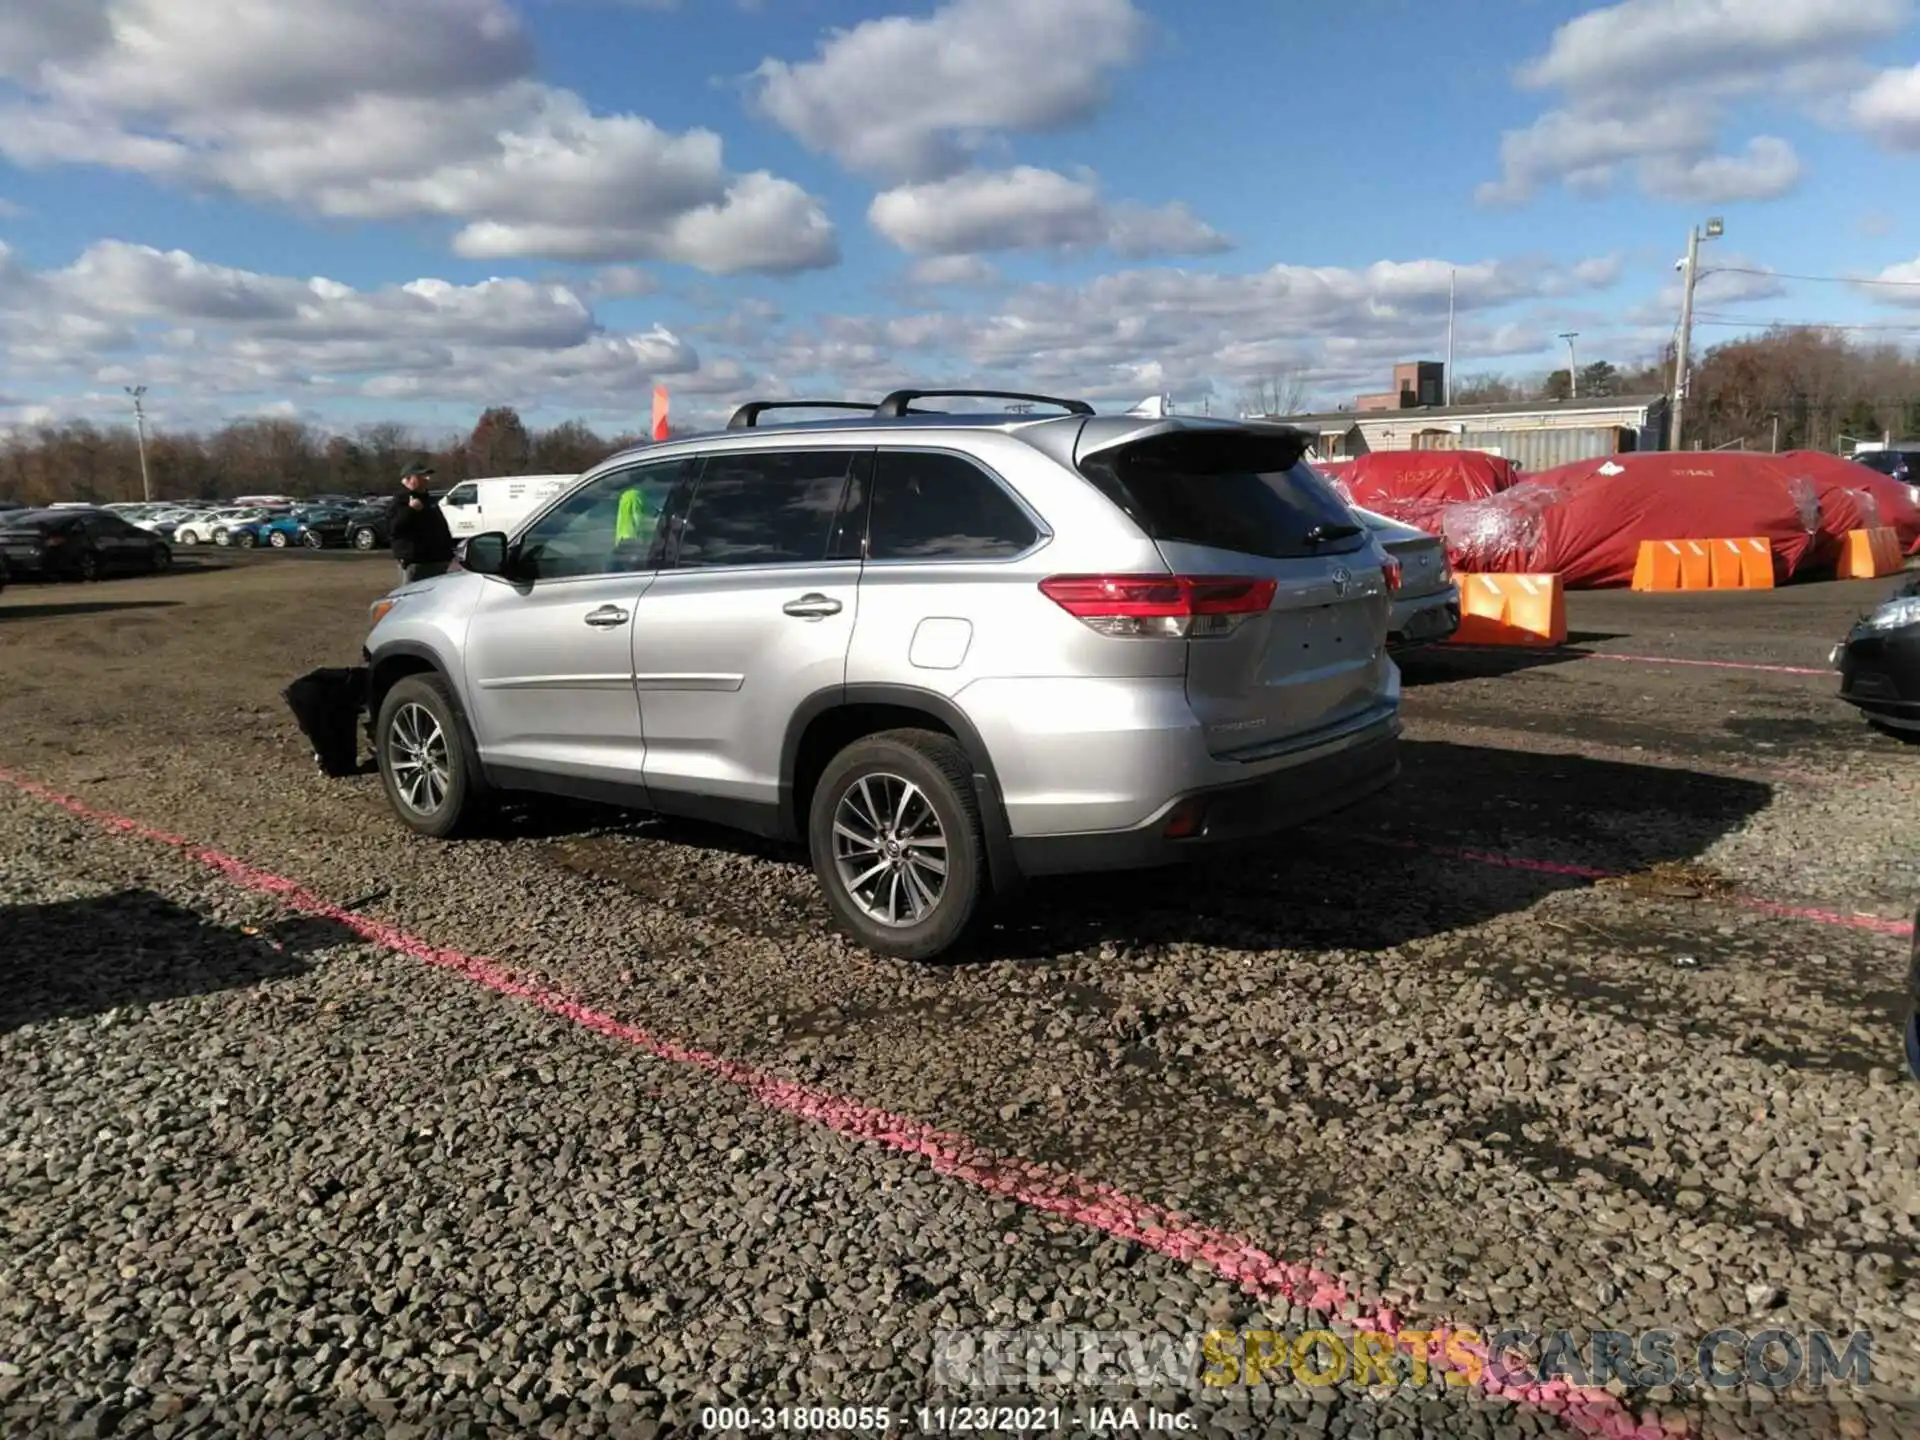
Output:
(422, 544)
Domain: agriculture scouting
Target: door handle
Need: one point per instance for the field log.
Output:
(607, 616)
(814, 606)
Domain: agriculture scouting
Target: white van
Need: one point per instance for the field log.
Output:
(474, 507)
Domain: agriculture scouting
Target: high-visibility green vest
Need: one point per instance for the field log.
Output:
(633, 513)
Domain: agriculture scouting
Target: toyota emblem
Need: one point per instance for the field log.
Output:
(1342, 577)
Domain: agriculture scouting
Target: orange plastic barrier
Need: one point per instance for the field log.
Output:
(1869, 554)
(1743, 564)
(1512, 610)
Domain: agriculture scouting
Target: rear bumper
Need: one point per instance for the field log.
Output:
(1202, 820)
(1424, 619)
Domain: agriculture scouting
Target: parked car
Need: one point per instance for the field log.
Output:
(368, 527)
(1426, 607)
(322, 526)
(4, 575)
(199, 527)
(54, 544)
(1879, 664)
(1900, 461)
(948, 652)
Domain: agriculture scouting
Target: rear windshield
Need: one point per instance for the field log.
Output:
(1239, 491)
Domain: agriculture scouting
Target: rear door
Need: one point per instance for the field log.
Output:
(1242, 503)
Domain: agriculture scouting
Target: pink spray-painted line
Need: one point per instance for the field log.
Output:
(1875, 923)
(1085, 1202)
(1578, 654)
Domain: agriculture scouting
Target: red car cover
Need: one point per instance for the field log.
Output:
(1385, 479)
(1586, 520)
(1853, 497)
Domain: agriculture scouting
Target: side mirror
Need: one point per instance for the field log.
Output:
(485, 554)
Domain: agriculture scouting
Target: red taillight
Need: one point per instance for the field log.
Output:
(1392, 573)
(1160, 606)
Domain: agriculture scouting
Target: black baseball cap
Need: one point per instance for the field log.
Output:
(418, 467)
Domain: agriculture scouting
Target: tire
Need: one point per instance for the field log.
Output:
(364, 538)
(463, 791)
(938, 769)
(162, 559)
(245, 540)
(88, 569)
(277, 539)
(186, 537)
(312, 541)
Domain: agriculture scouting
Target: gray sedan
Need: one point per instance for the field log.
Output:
(1427, 608)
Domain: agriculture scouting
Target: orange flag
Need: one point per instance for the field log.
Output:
(659, 412)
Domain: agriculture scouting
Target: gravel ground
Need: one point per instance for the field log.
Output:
(261, 1176)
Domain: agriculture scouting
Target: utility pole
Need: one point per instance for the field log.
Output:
(140, 429)
(1452, 277)
(1715, 229)
(1573, 365)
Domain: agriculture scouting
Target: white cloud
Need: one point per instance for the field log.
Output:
(1899, 285)
(914, 99)
(622, 282)
(361, 110)
(951, 270)
(1635, 49)
(224, 336)
(1889, 109)
(1767, 170)
(1026, 208)
(1647, 84)
(223, 340)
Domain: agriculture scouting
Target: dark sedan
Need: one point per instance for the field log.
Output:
(1879, 664)
(368, 527)
(77, 545)
(323, 526)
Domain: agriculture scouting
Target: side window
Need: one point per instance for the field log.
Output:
(941, 507)
(764, 507)
(608, 526)
(465, 493)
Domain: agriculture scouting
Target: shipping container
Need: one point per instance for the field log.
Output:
(1535, 450)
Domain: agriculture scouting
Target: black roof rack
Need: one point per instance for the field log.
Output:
(900, 401)
(748, 415)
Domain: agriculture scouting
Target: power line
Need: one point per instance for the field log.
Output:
(1742, 322)
(1811, 279)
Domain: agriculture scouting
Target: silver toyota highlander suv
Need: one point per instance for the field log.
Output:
(947, 652)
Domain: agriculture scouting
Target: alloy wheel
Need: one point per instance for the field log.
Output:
(419, 758)
(890, 849)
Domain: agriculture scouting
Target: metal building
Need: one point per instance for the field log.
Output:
(1534, 434)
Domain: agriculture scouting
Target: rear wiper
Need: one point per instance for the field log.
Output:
(1321, 534)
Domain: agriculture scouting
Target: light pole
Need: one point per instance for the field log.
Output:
(1715, 229)
(1573, 365)
(140, 430)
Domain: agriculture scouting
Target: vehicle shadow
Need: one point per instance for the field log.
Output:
(74, 958)
(1390, 871)
(1447, 664)
(41, 611)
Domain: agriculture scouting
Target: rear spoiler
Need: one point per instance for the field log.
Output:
(1216, 445)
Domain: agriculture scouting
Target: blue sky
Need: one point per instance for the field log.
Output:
(352, 212)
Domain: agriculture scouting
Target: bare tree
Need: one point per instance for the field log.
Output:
(1489, 389)
(1280, 392)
